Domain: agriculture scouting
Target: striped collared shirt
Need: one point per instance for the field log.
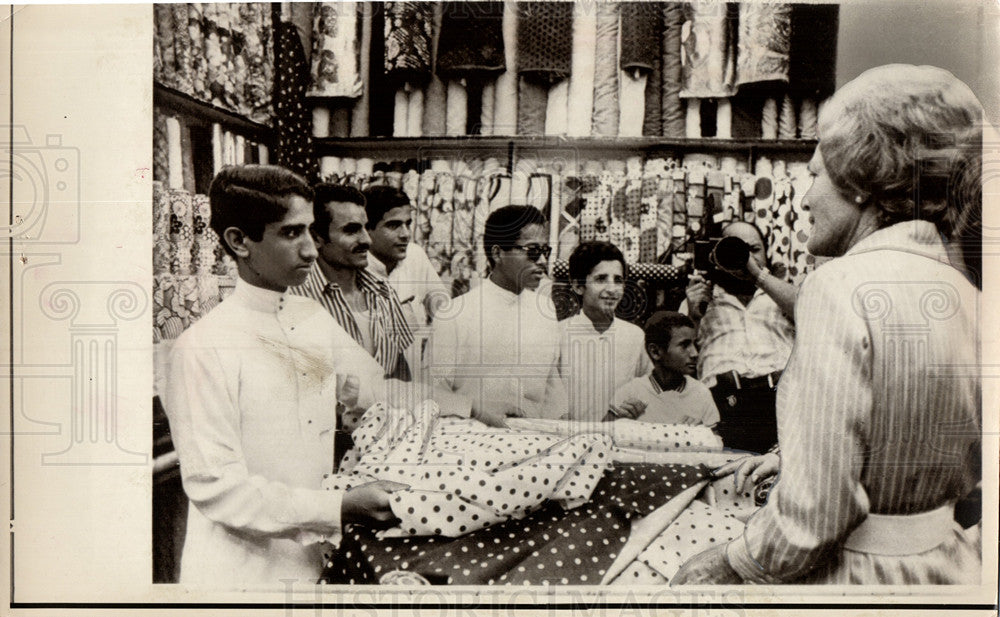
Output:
(390, 334)
(753, 340)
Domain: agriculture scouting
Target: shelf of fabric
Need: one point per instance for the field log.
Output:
(391, 149)
(186, 105)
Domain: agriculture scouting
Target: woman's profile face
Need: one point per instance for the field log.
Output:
(836, 220)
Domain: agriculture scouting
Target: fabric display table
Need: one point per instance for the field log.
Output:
(544, 502)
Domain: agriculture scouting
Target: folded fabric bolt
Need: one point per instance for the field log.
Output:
(548, 546)
(464, 480)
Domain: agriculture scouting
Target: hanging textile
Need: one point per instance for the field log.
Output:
(672, 111)
(632, 105)
(605, 118)
(652, 119)
(408, 31)
(505, 104)
(640, 35)
(359, 112)
(764, 42)
(471, 40)
(544, 40)
(487, 100)
(532, 102)
(165, 70)
(457, 107)
(161, 156)
(786, 119)
(812, 69)
(335, 51)
(557, 109)
(292, 118)
(581, 81)
(708, 51)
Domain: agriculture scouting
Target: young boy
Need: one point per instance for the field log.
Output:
(252, 395)
(669, 392)
(600, 353)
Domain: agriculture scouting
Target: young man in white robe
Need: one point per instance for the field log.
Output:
(253, 394)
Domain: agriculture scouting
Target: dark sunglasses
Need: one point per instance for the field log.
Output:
(534, 251)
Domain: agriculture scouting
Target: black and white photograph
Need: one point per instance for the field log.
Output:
(604, 305)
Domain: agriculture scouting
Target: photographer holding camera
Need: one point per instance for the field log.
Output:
(745, 333)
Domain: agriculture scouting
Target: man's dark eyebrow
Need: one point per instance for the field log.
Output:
(293, 227)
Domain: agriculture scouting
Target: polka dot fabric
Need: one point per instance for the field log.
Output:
(632, 434)
(549, 546)
(698, 528)
(463, 481)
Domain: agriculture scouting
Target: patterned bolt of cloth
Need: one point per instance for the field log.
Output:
(471, 40)
(764, 43)
(708, 51)
(544, 40)
(550, 546)
(408, 33)
(672, 112)
(293, 120)
(463, 477)
(335, 52)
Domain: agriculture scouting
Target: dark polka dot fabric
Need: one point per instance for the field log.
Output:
(292, 119)
(549, 546)
(460, 480)
(647, 271)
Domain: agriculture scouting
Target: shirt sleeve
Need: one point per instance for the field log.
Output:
(442, 357)
(709, 412)
(205, 426)
(824, 402)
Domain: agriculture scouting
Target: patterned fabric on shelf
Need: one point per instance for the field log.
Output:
(336, 44)
(190, 268)
(708, 50)
(652, 211)
(408, 33)
(764, 45)
(544, 40)
(462, 55)
(217, 53)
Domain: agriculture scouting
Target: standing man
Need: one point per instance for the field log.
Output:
(252, 398)
(745, 336)
(500, 346)
(405, 265)
(362, 303)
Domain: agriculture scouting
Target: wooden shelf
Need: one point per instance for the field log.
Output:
(192, 108)
(513, 147)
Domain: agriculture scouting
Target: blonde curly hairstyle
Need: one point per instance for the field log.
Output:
(907, 139)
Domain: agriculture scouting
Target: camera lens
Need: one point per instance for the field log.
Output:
(732, 253)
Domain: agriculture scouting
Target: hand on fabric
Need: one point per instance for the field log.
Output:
(348, 392)
(710, 567)
(689, 421)
(492, 413)
(698, 294)
(368, 504)
(750, 470)
(630, 408)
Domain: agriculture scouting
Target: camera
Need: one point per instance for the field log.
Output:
(726, 254)
(45, 185)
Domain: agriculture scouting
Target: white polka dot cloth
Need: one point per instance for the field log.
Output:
(461, 480)
(632, 434)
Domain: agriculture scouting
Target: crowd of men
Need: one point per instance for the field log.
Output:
(336, 308)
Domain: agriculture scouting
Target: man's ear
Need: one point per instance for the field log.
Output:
(237, 241)
(577, 288)
(495, 253)
(654, 351)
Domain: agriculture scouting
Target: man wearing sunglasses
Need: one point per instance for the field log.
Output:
(498, 344)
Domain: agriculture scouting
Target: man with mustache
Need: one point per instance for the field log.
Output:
(361, 302)
(498, 344)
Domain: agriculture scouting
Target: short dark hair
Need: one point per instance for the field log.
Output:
(504, 225)
(380, 199)
(660, 326)
(326, 193)
(587, 255)
(249, 197)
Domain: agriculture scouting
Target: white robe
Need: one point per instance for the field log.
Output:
(251, 399)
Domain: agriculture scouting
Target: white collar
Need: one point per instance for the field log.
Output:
(506, 296)
(258, 298)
